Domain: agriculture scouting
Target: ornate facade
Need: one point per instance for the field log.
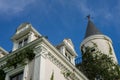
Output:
(33, 57)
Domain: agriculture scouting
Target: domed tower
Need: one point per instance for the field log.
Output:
(94, 37)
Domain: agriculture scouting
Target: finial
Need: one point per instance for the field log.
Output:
(88, 17)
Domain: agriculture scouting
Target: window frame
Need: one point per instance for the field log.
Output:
(23, 42)
(12, 72)
(17, 75)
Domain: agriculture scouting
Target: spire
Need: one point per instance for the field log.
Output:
(91, 28)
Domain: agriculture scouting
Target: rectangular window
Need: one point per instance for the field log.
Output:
(18, 76)
(25, 41)
(69, 58)
(20, 44)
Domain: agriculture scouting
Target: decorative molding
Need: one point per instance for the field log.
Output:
(13, 71)
(39, 65)
(40, 50)
(95, 37)
(110, 49)
(61, 66)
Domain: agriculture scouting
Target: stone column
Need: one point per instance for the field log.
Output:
(40, 63)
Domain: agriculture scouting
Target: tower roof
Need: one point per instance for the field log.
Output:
(91, 29)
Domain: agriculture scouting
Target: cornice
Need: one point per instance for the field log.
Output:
(58, 59)
(52, 54)
(31, 44)
(93, 37)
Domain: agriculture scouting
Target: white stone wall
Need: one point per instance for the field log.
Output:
(1, 55)
(104, 44)
(32, 36)
(52, 68)
(15, 46)
(44, 67)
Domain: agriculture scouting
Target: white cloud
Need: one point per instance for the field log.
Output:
(83, 7)
(13, 6)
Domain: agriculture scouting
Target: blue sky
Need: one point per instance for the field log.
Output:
(59, 19)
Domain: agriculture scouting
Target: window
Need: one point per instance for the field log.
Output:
(66, 54)
(23, 42)
(20, 44)
(69, 58)
(18, 76)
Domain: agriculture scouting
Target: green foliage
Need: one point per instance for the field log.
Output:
(52, 76)
(19, 58)
(67, 73)
(99, 64)
(2, 75)
(110, 49)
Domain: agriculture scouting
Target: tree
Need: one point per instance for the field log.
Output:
(2, 75)
(96, 65)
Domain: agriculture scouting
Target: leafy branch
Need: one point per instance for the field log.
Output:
(96, 64)
(2, 75)
(19, 58)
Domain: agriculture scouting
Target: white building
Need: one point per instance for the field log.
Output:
(33, 57)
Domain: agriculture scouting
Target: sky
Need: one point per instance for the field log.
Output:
(59, 19)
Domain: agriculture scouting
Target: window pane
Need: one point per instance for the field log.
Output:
(25, 41)
(17, 77)
(20, 44)
(14, 78)
(20, 77)
(66, 54)
(69, 58)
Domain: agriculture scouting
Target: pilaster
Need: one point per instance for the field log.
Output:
(40, 58)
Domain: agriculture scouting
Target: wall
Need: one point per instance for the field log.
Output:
(104, 44)
(52, 68)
